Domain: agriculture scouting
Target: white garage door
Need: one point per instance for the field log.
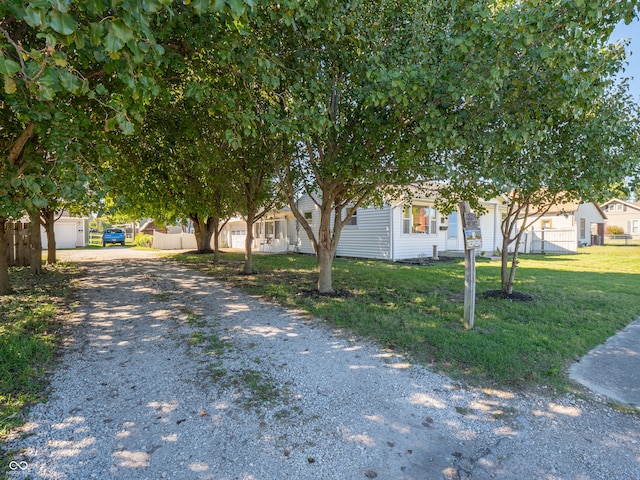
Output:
(238, 237)
(65, 235)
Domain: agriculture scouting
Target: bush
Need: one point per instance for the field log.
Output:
(614, 230)
(144, 240)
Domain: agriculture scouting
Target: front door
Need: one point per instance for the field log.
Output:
(453, 235)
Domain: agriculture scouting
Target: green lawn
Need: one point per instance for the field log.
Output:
(29, 337)
(578, 302)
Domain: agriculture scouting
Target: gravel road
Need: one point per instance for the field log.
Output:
(174, 375)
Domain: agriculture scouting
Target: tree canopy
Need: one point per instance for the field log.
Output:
(346, 101)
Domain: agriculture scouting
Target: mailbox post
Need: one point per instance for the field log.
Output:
(472, 241)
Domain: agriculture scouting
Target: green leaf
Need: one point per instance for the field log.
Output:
(112, 43)
(237, 7)
(126, 127)
(96, 30)
(95, 6)
(152, 6)
(200, 6)
(62, 23)
(8, 67)
(122, 31)
(16, 182)
(39, 201)
(34, 18)
(70, 82)
(9, 85)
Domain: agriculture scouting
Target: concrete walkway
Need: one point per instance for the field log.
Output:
(613, 368)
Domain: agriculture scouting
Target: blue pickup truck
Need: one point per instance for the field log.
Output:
(113, 236)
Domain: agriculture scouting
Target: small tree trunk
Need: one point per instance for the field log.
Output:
(36, 243)
(512, 272)
(248, 244)
(504, 270)
(508, 274)
(216, 239)
(4, 264)
(48, 217)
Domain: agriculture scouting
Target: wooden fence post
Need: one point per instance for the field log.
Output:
(11, 257)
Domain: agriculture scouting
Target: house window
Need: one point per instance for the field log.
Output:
(583, 228)
(354, 219)
(619, 207)
(453, 225)
(546, 223)
(419, 220)
(406, 220)
(308, 216)
(635, 226)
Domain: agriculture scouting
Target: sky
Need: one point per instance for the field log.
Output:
(631, 31)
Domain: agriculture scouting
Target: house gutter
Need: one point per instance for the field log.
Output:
(392, 244)
(496, 226)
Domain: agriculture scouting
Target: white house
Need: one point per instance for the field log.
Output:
(565, 227)
(397, 231)
(623, 214)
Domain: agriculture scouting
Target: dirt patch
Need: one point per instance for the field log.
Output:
(514, 296)
(426, 260)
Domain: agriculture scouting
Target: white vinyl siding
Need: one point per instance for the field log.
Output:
(370, 238)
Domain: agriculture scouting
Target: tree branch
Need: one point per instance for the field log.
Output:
(18, 51)
(19, 144)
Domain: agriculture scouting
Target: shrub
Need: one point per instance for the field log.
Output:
(144, 240)
(614, 230)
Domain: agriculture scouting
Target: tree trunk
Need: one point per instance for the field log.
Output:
(4, 265)
(508, 274)
(203, 234)
(328, 239)
(504, 270)
(248, 244)
(215, 222)
(325, 264)
(48, 217)
(512, 272)
(36, 243)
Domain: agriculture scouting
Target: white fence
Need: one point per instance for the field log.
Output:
(553, 241)
(174, 241)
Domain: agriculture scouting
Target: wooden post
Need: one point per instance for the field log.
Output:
(472, 240)
(469, 288)
(11, 244)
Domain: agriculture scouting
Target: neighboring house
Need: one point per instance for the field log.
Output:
(565, 227)
(396, 231)
(623, 214)
(71, 232)
(149, 227)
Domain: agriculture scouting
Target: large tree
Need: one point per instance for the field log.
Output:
(557, 127)
(176, 168)
(54, 53)
(353, 79)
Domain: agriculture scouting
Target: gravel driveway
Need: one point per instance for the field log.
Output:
(174, 375)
